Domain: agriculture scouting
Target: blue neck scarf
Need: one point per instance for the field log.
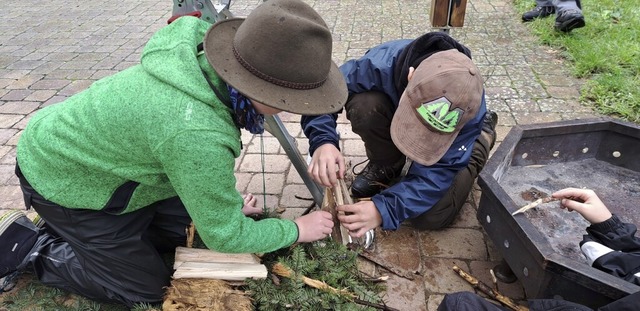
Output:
(245, 115)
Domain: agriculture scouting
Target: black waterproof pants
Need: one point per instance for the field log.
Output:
(370, 115)
(467, 301)
(106, 257)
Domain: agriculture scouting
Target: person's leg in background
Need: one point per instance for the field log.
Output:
(444, 212)
(543, 9)
(370, 115)
(568, 15)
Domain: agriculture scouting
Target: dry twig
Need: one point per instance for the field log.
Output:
(534, 204)
(284, 271)
(494, 294)
(191, 233)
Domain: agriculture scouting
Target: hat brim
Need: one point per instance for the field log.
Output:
(415, 140)
(330, 97)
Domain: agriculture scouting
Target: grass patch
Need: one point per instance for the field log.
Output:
(606, 52)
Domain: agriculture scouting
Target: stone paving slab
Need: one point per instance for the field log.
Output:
(51, 50)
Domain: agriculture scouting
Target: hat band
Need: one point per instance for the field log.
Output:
(276, 81)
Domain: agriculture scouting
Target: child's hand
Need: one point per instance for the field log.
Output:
(314, 226)
(327, 165)
(249, 207)
(359, 217)
(585, 202)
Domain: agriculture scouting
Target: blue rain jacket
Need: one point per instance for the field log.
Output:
(423, 186)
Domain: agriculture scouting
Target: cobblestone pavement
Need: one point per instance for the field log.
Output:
(50, 50)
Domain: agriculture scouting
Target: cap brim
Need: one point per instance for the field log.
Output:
(415, 140)
(328, 98)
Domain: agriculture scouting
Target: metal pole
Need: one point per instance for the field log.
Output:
(277, 129)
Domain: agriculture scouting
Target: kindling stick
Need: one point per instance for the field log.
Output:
(494, 294)
(534, 204)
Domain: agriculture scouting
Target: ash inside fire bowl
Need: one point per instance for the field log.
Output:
(617, 187)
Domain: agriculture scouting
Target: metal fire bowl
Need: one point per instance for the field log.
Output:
(541, 245)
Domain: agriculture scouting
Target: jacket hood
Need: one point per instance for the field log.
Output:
(421, 48)
(171, 55)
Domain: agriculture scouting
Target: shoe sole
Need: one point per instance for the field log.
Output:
(570, 25)
(8, 219)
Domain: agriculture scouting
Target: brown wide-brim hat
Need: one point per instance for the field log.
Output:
(280, 56)
(444, 93)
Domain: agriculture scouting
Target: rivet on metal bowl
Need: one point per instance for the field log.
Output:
(488, 219)
(556, 154)
(585, 149)
(524, 155)
(506, 243)
(525, 271)
(616, 154)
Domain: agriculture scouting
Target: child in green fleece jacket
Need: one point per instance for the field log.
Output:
(119, 170)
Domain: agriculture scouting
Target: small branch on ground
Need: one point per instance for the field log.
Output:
(493, 294)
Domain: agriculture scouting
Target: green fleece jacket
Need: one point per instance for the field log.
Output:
(158, 124)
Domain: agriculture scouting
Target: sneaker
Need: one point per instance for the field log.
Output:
(38, 221)
(568, 20)
(538, 12)
(489, 127)
(374, 178)
(17, 236)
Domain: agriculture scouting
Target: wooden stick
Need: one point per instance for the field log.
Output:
(489, 291)
(191, 233)
(284, 271)
(374, 305)
(494, 280)
(340, 200)
(534, 204)
(371, 257)
(329, 205)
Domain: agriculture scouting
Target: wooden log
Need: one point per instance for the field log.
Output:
(205, 263)
(185, 254)
(221, 271)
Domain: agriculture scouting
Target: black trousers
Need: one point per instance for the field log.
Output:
(106, 257)
(370, 114)
(467, 301)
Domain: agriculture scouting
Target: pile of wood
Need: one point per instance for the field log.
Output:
(202, 277)
(339, 195)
